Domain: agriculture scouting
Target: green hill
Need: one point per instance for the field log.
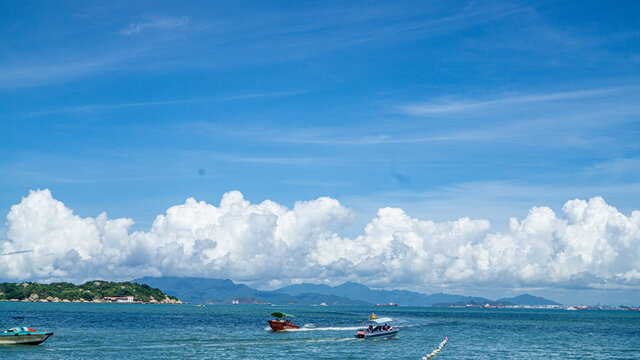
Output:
(89, 291)
(528, 299)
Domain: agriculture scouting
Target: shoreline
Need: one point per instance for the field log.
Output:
(96, 301)
(66, 301)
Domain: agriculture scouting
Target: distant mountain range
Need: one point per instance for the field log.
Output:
(199, 290)
(357, 291)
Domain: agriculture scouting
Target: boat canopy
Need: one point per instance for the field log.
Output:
(10, 321)
(280, 315)
(379, 321)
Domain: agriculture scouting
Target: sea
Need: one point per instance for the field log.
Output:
(144, 331)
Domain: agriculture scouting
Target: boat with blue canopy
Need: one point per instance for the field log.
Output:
(379, 328)
(21, 335)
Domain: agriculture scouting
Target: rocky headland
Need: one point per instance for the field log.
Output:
(97, 291)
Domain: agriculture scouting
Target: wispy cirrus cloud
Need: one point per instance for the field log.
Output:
(450, 105)
(264, 37)
(124, 105)
(156, 23)
(108, 55)
(382, 139)
(616, 168)
(18, 76)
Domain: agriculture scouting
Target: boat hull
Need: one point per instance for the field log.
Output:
(279, 325)
(24, 338)
(377, 335)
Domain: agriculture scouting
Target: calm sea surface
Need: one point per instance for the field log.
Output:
(129, 331)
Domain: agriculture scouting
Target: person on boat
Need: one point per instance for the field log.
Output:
(385, 327)
(370, 329)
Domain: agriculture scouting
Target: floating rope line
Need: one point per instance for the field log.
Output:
(436, 351)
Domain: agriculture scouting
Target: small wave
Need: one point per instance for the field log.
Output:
(417, 325)
(331, 340)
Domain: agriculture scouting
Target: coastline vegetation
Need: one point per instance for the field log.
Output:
(91, 291)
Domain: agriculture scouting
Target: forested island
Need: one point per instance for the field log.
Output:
(97, 291)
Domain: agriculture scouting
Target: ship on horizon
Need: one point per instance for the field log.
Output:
(389, 304)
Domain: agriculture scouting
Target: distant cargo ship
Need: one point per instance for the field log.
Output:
(389, 304)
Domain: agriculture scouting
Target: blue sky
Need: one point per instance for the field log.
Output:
(445, 109)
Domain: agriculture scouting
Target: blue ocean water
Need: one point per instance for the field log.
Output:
(135, 331)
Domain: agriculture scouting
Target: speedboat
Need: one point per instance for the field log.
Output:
(379, 328)
(281, 322)
(22, 335)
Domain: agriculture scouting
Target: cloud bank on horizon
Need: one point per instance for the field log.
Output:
(591, 244)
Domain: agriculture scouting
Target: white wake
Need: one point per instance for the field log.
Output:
(312, 327)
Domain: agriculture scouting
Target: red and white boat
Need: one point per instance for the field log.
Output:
(282, 323)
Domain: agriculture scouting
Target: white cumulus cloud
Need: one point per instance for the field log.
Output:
(591, 244)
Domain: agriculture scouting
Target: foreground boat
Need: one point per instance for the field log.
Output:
(21, 335)
(379, 328)
(281, 322)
